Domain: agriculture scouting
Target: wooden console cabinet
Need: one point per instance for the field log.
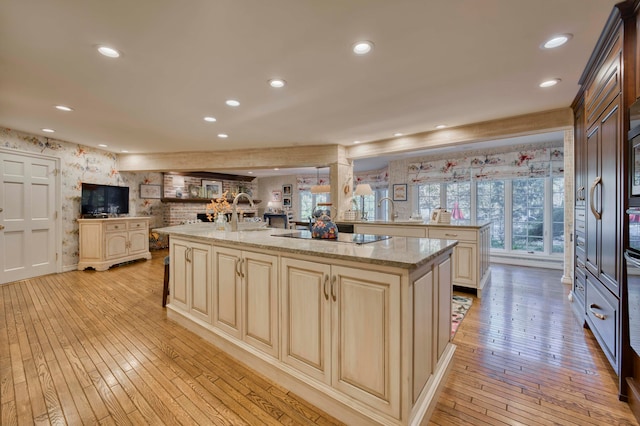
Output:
(107, 242)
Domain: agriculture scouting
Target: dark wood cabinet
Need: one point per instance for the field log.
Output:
(603, 215)
(600, 135)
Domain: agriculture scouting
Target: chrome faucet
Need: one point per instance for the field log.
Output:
(393, 215)
(234, 210)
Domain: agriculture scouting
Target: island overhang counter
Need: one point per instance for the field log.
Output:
(360, 330)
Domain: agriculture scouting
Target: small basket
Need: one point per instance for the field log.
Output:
(350, 215)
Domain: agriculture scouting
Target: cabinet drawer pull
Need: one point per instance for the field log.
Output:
(116, 226)
(333, 289)
(580, 244)
(451, 235)
(325, 286)
(596, 213)
(596, 314)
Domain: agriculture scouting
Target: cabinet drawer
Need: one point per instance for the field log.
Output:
(453, 234)
(138, 224)
(579, 284)
(580, 246)
(119, 226)
(602, 315)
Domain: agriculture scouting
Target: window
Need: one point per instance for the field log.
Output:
(528, 215)
(428, 198)
(459, 200)
(557, 211)
(308, 202)
(373, 212)
(490, 207)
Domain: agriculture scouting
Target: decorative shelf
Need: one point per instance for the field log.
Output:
(205, 200)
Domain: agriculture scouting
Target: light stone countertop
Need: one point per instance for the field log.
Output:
(401, 252)
(458, 224)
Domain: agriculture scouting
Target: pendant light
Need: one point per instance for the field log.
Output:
(317, 188)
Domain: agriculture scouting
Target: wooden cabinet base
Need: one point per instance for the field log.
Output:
(107, 242)
(104, 265)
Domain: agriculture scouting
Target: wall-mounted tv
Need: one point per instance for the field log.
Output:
(104, 200)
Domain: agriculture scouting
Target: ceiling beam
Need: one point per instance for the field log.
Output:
(250, 159)
(522, 125)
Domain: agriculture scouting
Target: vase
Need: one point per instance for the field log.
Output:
(221, 222)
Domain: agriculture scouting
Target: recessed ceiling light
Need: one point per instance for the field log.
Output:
(276, 168)
(124, 150)
(210, 119)
(48, 130)
(397, 134)
(362, 47)
(550, 83)
(109, 52)
(250, 173)
(232, 103)
(557, 41)
(223, 135)
(63, 108)
(102, 145)
(441, 126)
(277, 83)
(356, 142)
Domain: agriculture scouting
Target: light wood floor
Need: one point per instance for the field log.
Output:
(96, 347)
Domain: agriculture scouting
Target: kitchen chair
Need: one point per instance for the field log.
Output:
(165, 289)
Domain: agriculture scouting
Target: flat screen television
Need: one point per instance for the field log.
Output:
(104, 200)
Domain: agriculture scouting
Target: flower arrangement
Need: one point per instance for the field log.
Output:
(219, 205)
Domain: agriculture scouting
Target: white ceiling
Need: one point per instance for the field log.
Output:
(438, 61)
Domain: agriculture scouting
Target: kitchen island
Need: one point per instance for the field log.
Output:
(360, 329)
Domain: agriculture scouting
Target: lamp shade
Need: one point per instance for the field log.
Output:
(320, 189)
(363, 189)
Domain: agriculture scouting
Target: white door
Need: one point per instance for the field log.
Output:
(27, 216)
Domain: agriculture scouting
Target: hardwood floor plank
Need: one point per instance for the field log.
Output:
(96, 347)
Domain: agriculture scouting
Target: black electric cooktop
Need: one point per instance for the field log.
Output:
(343, 237)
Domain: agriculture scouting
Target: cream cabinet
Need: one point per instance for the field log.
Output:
(245, 297)
(470, 256)
(360, 357)
(358, 333)
(107, 242)
(190, 277)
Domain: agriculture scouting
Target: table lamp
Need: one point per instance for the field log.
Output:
(363, 189)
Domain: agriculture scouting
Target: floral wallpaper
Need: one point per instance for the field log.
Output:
(539, 162)
(376, 178)
(79, 164)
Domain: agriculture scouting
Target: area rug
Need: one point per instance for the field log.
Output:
(459, 307)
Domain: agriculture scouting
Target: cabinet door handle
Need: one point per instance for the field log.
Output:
(596, 314)
(596, 213)
(1, 227)
(242, 268)
(333, 288)
(238, 267)
(325, 287)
